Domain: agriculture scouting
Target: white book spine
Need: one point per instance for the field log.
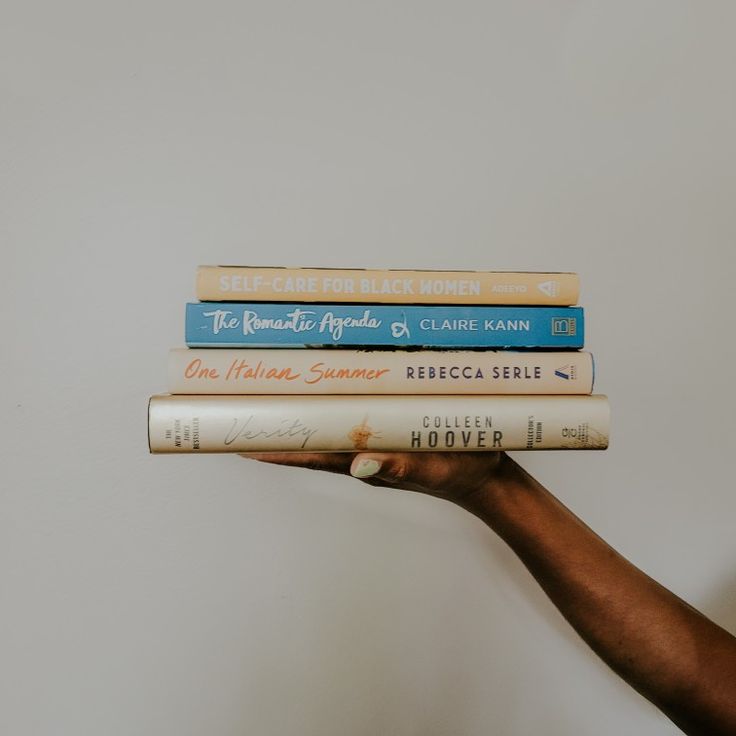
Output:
(287, 371)
(382, 423)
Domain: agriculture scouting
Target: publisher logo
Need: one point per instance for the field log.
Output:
(567, 372)
(564, 326)
(400, 329)
(550, 288)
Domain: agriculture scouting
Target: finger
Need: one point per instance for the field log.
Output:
(427, 470)
(332, 462)
(446, 473)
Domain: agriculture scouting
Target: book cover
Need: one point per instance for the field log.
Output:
(204, 424)
(286, 371)
(223, 324)
(392, 286)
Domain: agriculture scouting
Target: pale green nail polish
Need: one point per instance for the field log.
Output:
(365, 469)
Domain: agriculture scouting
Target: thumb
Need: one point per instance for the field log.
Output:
(392, 468)
(455, 476)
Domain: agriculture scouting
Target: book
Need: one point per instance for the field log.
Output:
(204, 424)
(346, 371)
(223, 324)
(392, 286)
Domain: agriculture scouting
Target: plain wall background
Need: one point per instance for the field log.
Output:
(190, 595)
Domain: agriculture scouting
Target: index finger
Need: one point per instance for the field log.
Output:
(332, 462)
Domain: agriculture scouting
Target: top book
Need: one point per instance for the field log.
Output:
(388, 286)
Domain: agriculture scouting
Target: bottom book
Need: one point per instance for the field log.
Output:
(186, 423)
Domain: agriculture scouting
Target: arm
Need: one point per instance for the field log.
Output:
(672, 654)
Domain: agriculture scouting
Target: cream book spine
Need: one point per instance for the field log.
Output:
(211, 424)
(295, 371)
(392, 286)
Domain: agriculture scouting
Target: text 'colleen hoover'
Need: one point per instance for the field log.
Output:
(447, 432)
(443, 432)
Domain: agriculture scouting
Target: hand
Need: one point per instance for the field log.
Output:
(664, 648)
(461, 477)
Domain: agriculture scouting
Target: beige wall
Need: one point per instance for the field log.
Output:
(208, 595)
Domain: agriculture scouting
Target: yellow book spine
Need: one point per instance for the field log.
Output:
(251, 283)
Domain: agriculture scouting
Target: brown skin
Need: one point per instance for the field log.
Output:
(672, 654)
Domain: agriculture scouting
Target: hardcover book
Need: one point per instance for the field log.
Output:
(225, 324)
(207, 424)
(393, 286)
(255, 371)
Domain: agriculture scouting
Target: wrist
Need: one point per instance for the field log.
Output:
(500, 491)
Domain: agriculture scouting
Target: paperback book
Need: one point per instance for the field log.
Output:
(328, 371)
(212, 424)
(253, 284)
(226, 324)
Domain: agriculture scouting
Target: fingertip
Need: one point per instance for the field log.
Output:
(364, 467)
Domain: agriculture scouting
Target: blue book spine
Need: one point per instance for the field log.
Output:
(228, 324)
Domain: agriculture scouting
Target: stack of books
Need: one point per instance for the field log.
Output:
(349, 360)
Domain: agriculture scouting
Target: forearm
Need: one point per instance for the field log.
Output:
(674, 656)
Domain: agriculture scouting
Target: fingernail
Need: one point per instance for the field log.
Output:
(365, 468)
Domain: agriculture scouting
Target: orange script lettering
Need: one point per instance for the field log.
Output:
(195, 370)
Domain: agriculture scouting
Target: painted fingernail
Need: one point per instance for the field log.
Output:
(365, 468)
